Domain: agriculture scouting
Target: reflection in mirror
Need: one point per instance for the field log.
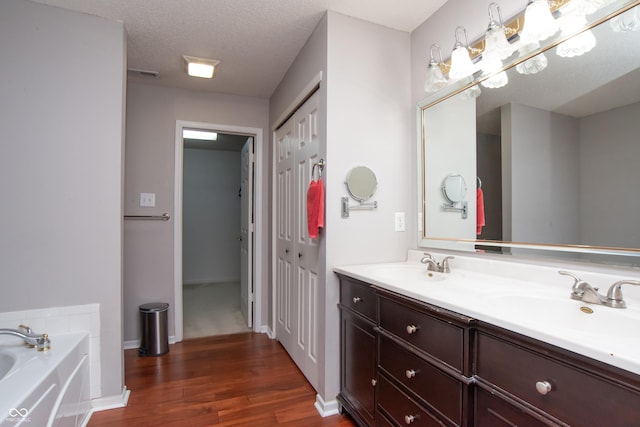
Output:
(454, 188)
(556, 151)
(361, 183)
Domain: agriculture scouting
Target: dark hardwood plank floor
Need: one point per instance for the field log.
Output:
(233, 380)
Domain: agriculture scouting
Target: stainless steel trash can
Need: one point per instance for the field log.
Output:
(154, 337)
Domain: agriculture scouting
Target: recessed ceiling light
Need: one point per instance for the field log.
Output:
(200, 67)
(204, 135)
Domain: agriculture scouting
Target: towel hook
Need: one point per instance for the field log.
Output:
(479, 182)
(320, 166)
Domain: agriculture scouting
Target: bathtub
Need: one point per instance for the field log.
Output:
(49, 388)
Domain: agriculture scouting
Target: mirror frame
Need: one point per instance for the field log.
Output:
(455, 88)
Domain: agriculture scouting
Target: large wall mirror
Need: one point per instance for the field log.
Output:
(556, 154)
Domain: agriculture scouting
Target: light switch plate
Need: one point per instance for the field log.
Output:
(147, 200)
(400, 225)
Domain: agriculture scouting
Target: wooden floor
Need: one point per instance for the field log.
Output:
(233, 380)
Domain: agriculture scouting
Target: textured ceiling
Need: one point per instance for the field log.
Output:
(255, 40)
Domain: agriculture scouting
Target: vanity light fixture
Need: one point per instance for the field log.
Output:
(461, 64)
(539, 23)
(578, 44)
(534, 64)
(200, 67)
(434, 79)
(627, 21)
(496, 44)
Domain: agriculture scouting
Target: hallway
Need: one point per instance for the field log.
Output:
(240, 380)
(212, 309)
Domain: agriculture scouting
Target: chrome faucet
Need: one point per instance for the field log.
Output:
(39, 341)
(614, 294)
(433, 265)
(583, 291)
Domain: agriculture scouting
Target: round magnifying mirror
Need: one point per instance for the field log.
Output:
(361, 183)
(454, 188)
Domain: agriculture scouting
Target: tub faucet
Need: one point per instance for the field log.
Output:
(39, 341)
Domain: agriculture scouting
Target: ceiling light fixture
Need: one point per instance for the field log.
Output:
(578, 44)
(203, 135)
(200, 67)
(627, 21)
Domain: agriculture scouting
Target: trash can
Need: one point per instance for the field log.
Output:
(154, 338)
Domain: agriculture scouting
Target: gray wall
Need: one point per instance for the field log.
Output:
(152, 112)
(211, 216)
(611, 188)
(544, 152)
(62, 82)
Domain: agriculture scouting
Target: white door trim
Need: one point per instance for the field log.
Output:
(259, 228)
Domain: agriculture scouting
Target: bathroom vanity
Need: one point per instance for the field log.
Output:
(407, 360)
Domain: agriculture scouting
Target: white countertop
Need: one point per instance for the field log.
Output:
(533, 302)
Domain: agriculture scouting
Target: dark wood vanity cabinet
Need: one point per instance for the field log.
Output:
(523, 381)
(404, 362)
(424, 362)
(358, 347)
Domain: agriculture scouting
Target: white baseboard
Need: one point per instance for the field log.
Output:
(129, 345)
(265, 329)
(111, 402)
(326, 409)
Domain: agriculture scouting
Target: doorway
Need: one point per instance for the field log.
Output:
(215, 229)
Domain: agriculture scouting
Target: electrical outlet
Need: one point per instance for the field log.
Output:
(400, 226)
(147, 200)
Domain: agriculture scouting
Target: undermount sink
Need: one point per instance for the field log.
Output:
(6, 363)
(565, 313)
(406, 273)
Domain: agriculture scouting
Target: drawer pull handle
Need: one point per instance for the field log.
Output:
(543, 387)
(408, 419)
(410, 373)
(356, 300)
(412, 329)
(374, 382)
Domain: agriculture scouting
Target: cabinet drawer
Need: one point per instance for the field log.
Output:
(358, 297)
(576, 397)
(401, 408)
(491, 411)
(440, 339)
(439, 390)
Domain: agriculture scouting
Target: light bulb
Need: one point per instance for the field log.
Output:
(578, 44)
(461, 65)
(497, 80)
(534, 64)
(539, 23)
(435, 79)
(627, 21)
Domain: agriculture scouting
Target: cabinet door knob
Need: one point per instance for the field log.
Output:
(356, 300)
(543, 387)
(410, 373)
(411, 329)
(374, 382)
(408, 419)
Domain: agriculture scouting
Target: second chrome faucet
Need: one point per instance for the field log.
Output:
(583, 291)
(433, 265)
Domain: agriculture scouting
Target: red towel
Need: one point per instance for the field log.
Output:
(315, 207)
(479, 211)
